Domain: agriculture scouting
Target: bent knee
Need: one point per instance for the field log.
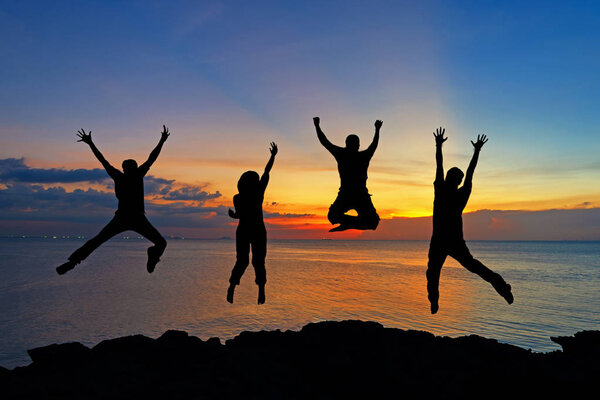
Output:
(372, 221)
(334, 216)
(161, 243)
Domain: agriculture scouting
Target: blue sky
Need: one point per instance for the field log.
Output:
(228, 77)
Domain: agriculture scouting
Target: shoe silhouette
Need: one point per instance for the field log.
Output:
(130, 214)
(447, 238)
(66, 267)
(251, 231)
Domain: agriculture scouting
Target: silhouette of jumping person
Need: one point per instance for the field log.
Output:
(447, 238)
(251, 231)
(129, 189)
(353, 193)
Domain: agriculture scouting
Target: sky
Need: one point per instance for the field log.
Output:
(228, 77)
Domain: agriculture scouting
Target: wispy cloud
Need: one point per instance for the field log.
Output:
(15, 170)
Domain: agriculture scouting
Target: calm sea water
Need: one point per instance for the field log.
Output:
(556, 287)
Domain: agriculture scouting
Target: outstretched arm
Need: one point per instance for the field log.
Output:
(264, 179)
(481, 140)
(323, 139)
(87, 139)
(439, 159)
(373, 146)
(154, 154)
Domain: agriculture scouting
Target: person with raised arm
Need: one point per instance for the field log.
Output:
(130, 214)
(251, 231)
(447, 239)
(353, 193)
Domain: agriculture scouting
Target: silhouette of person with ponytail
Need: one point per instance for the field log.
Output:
(447, 239)
(251, 231)
(353, 193)
(130, 215)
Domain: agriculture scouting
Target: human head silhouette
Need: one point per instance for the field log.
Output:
(352, 142)
(454, 177)
(248, 182)
(129, 166)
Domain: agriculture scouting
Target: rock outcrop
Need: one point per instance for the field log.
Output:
(349, 359)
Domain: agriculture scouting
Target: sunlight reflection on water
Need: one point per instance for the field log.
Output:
(111, 294)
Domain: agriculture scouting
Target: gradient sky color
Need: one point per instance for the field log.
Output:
(228, 77)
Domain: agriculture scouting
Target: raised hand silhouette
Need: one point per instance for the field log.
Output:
(481, 140)
(353, 193)
(129, 190)
(164, 134)
(83, 137)
(251, 232)
(439, 136)
(447, 238)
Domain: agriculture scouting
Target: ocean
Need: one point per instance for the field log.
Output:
(556, 287)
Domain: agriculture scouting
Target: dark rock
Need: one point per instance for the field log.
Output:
(136, 346)
(58, 353)
(585, 343)
(347, 359)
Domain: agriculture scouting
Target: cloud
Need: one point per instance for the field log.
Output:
(15, 170)
(154, 185)
(27, 200)
(25, 196)
(284, 215)
(194, 193)
(34, 202)
(558, 224)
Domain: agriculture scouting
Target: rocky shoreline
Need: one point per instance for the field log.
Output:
(348, 359)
